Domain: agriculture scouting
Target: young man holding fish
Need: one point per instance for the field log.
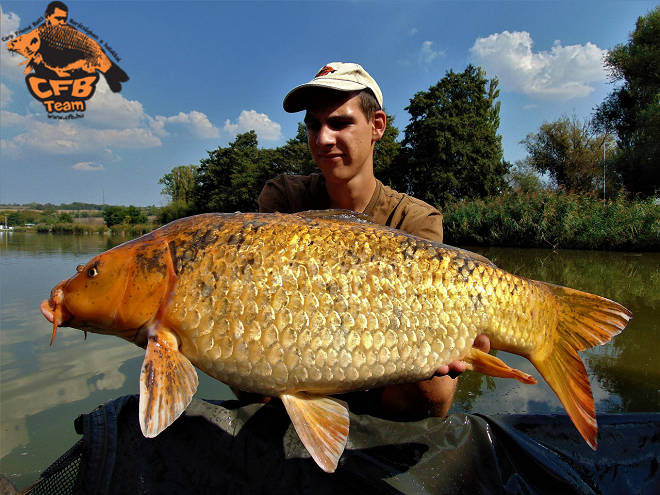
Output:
(344, 120)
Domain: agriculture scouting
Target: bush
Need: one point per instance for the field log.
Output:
(556, 221)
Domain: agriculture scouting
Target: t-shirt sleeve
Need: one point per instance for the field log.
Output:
(430, 227)
(273, 197)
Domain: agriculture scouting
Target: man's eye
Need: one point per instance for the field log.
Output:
(340, 124)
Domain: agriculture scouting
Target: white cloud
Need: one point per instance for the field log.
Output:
(562, 73)
(427, 54)
(197, 122)
(8, 22)
(413, 31)
(266, 129)
(530, 107)
(10, 118)
(5, 95)
(9, 62)
(89, 166)
(111, 122)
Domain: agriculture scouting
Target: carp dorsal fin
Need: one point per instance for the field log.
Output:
(168, 381)
(322, 425)
(337, 215)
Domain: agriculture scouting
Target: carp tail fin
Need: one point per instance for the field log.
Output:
(168, 381)
(583, 321)
(114, 76)
(322, 424)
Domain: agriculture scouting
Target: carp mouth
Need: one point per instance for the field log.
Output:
(55, 311)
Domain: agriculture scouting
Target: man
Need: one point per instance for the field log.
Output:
(56, 14)
(344, 120)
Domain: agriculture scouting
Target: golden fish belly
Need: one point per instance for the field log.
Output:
(327, 307)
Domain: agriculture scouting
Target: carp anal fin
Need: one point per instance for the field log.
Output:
(583, 321)
(322, 424)
(168, 381)
(337, 215)
(482, 362)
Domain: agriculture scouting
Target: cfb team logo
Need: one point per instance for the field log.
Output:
(66, 62)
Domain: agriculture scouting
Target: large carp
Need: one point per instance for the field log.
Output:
(306, 305)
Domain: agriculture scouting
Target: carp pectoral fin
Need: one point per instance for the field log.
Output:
(168, 381)
(482, 362)
(322, 425)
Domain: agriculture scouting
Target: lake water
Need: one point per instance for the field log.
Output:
(43, 389)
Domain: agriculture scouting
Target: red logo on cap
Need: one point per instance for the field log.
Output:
(325, 71)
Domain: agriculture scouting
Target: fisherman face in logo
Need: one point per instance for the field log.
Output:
(56, 13)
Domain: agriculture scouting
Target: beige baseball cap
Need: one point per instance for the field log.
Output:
(336, 75)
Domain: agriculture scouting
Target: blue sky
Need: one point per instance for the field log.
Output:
(202, 71)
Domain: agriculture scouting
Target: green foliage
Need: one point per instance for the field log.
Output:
(386, 156)
(232, 178)
(294, 157)
(64, 218)
(570, 152)
(180, 183)
(554, 220)
(522, 177)
(632, 110)
(174, 211)
(116, 215)
(451, 146)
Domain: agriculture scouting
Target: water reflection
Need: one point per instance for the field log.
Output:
(624, 374)
(44, 388)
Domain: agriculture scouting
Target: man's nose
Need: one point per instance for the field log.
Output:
(325, 136)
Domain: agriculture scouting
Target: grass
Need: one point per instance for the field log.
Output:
(554, 221)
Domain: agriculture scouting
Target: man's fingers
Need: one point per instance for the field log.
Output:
(455, 368)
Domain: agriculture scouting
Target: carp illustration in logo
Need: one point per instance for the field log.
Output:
(325, 71)
(65, 63)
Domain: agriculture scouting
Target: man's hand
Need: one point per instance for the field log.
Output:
(455, 368)
(428, 398)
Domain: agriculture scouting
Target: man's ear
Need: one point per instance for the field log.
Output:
(379, 124)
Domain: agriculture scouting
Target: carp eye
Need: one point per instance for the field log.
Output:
(93, 272)
(80, 268)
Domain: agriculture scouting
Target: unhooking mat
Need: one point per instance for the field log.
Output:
(227, 447)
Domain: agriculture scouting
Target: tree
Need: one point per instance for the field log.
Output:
(451, 144)
(523, 177)
(115, 215)
(570, 151)
(386, 153)
(294, 157)
(180, 183)
(230, 179)
(632, 110)
(65, 217)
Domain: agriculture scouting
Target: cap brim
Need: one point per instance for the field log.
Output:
(296, 99)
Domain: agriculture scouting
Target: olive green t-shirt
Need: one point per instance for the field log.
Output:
(295, 193)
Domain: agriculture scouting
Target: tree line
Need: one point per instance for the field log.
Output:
(451, 150)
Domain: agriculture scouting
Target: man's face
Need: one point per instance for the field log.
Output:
(58, 16)
(339, 135)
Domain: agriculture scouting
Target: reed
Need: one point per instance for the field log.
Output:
(554, 220)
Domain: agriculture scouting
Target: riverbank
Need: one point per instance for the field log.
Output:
(557, 221)
(78, 228)
(543, 220)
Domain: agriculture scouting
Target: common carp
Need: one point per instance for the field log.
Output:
(302, 306)
(63, 49)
